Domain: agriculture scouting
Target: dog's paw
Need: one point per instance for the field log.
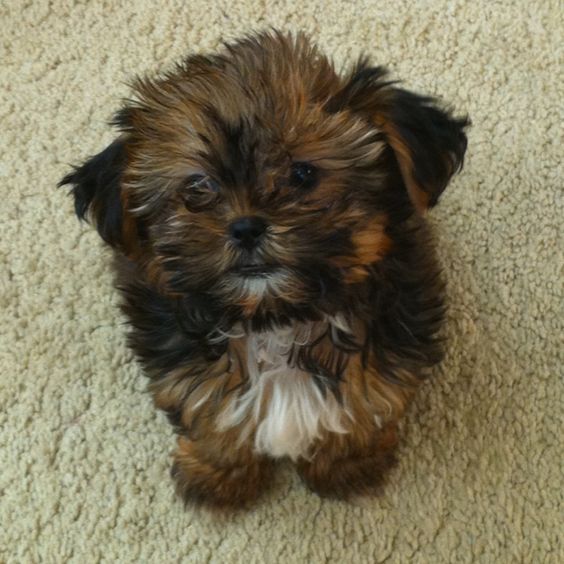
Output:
(348, 478)
(209, 483)
(340, 470)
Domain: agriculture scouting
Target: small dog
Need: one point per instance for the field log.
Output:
(281, 284)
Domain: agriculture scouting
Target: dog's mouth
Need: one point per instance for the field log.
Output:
(255, 270)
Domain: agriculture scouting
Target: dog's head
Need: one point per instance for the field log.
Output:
(262, 178)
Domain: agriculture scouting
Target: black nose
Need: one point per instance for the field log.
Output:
(246, 232)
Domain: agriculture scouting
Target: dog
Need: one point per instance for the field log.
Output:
(266, 215)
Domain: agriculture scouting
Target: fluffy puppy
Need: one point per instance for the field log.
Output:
(284, 298)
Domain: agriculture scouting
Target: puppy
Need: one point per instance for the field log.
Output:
(266, 217)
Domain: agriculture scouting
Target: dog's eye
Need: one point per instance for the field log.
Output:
(303, 175)
(200, 193)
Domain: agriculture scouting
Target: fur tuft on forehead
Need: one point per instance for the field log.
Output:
(262, 101)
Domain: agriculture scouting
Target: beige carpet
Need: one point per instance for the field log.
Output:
(83, 455)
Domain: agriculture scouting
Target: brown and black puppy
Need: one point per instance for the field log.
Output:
(283, 293)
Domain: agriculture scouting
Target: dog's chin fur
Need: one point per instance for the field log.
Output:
(266, 215)
(236, 289)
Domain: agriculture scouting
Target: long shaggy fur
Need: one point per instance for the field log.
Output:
(283, 405)
(266, 214)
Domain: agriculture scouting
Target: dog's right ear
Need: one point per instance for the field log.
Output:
(97, 191)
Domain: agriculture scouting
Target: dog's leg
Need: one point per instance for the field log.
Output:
(210, 472)
(344, 466)
(212, 466)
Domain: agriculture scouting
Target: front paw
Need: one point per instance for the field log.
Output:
(218, 484)
(351, 472)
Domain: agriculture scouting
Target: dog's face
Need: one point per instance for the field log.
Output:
(261, 178)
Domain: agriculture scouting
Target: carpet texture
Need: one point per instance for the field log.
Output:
(83, 454)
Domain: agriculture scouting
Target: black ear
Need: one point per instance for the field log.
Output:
(96, 187)
(428, 141)
(429, 144)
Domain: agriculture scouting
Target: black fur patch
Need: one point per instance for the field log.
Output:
(97, 193)
(166, 332)
(234, 162)
(406, 306)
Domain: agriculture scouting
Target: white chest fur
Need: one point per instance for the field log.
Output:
(283, 402)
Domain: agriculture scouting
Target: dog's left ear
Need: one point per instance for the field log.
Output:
(96, 188)
(429, 143)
